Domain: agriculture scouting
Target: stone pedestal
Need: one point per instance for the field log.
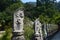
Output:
(18, 36)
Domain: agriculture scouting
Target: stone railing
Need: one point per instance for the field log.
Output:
(49, 29)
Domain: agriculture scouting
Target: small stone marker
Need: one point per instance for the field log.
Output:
(38, 30)
(18, 25)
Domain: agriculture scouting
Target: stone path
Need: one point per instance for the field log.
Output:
(56, 37)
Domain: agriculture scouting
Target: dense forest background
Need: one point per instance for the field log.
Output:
(46, 11)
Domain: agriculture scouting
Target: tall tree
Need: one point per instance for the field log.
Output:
(7, 8)
(47, 8)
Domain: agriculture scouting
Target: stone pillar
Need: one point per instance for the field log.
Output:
(18, 32)
(38, 30)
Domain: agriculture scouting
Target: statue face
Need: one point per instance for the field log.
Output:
(18, 21)
(20, 15)
(17, 14)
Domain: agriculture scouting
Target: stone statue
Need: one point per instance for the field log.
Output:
(18, 21)
(18, 25)
(38, 30)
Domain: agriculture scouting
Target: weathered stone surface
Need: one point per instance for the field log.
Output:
(18, 21)
(38, 30)
(45, 30)
(18, 37)
(18, 25)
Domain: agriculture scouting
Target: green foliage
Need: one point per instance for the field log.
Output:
(30, 10)
(6, 3)
(47, 13)
(29, 31)
(7, 9)
(8, 34)
(47, 10)
(44, 19)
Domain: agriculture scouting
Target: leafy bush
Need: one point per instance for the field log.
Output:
(28, 32)
(7, 35)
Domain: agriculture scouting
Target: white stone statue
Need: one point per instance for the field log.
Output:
(37, 26)
(38, 30)
(18, 32)
(18, 21)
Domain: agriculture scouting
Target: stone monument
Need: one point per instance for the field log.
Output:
(18, 32)
(38, 30)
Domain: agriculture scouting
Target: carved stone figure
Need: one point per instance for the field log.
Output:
(38, 30)
(18, 21)
(18, 25)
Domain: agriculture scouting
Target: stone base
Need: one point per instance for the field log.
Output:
(38, 38)
(18, 38)
(17, 33)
